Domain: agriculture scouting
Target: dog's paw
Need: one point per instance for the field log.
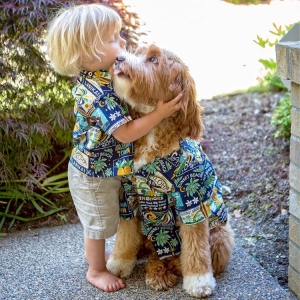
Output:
(199, 285)
(120, 267)
(161, 282)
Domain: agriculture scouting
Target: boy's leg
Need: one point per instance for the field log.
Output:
(107, 255)
(97, 204)
(97, 273)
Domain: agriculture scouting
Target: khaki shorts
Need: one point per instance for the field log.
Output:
(97, 203)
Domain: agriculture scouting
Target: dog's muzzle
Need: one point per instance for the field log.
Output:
(119, 60)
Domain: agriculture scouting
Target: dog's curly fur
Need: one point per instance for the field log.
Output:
(153, 73)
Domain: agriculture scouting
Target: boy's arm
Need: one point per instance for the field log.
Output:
(137, 128)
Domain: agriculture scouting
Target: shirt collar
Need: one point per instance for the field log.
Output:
(102, 77)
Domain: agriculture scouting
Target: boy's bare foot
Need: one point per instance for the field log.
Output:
(105, 281)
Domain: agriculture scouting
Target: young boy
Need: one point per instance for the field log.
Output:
(85, 40)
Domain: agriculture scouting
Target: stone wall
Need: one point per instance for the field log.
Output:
(288, 67)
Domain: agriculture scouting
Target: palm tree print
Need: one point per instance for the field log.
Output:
(127, 187)
(174, 242)
(108, 172)
(208, 183)
(192, 187)
(110, 102)
(100, 165)
(177, 180)
(162, 238)
(210, 180)
(151, 168)
(168, 165)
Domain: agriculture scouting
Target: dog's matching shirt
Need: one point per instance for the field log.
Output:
(181, 185)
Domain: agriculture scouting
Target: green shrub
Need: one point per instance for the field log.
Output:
(281, 118)
(271, 82)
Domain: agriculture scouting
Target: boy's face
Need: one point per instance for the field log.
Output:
(112, 45)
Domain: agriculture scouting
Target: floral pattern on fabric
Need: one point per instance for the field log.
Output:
(182, 185)
(99, 112)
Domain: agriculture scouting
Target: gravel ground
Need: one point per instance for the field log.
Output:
(253, 168)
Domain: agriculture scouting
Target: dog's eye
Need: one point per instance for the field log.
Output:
(153, 59)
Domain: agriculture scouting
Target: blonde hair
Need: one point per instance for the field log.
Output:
(78, 30)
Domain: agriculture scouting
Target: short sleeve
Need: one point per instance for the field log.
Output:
(111, 113)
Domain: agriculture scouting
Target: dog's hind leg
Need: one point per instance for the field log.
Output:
(221, 244)
(195, 258)
(124, 255)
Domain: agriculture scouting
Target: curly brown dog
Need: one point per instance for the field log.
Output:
(173, 204)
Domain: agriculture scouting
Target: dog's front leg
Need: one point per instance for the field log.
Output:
(195, 259)
(124, 255)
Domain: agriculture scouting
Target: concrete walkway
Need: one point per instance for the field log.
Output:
(48, 263)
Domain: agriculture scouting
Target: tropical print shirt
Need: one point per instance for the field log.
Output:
(182, 185)
(99, 112)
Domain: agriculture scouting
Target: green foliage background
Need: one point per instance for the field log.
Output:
(271, 82)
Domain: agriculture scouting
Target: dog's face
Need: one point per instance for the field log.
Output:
(153, 73)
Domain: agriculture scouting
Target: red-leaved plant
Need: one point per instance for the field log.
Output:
(36, 107)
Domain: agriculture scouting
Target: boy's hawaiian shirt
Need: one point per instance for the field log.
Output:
(99, 112)
(182, 185)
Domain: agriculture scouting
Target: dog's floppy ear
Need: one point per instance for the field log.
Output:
(189, 118)
(178, 78)
(176, 83)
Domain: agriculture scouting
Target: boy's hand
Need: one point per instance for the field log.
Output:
(139, 127)
(166, 109)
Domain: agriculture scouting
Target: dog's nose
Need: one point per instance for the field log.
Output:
(120, 58)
